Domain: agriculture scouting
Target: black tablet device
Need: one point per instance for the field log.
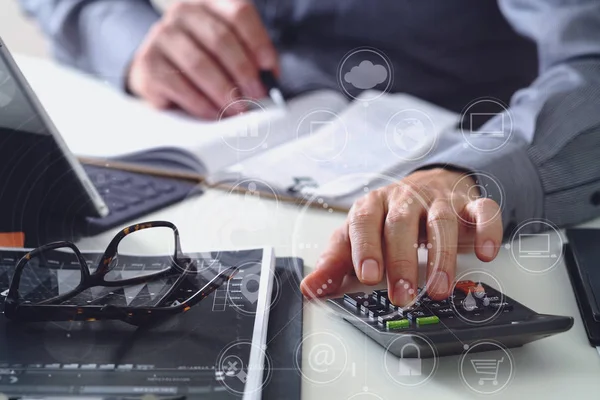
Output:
(582, 258)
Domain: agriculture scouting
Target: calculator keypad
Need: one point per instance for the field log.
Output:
(470, 301)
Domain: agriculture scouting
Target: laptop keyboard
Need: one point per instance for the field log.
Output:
(130, 195)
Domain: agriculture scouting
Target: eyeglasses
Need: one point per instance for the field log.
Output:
(143, 276)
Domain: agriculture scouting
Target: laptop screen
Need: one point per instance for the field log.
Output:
(39, 174)
(16, 112)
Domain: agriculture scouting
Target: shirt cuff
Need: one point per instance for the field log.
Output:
(112, 31)
(505, 175)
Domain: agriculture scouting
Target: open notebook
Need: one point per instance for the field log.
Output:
(322, 136)
(321, 145)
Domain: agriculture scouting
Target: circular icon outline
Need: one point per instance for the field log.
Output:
(475, 176)
(433, 351)
(489, 343)
(300, 349)
(378, 53)
(560, 247)
(500, 290)
(338, 120)
(365, 393)
(258, 107)
(235, 189)
(267, 365)
(273, 300)
(505, 111)
(431, 146)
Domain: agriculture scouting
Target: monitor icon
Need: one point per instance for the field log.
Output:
(535, 245)
(479, 119)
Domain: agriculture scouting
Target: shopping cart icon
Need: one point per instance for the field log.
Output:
(489, 368)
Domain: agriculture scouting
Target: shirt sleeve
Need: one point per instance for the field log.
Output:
(549, 167)
(96, 36)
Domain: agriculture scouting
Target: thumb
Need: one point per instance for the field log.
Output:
(332, 266)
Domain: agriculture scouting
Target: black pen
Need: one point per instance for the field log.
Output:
(272, 86)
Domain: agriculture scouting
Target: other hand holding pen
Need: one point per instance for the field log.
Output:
(200, 54)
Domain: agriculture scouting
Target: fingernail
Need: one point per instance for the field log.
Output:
(266, 58)
(369, 271)
(488, 249)
(439, 282)
(403, 293)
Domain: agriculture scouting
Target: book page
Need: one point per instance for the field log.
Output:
(387, 136)
(222, 143)
(117, 126)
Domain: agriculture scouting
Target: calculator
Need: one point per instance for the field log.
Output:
(474, 313)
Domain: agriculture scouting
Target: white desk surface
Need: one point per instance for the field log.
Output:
(561, 366)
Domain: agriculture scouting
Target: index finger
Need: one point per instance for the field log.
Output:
(333, 265)
(243, 18)
(485, 213)
(442, 237)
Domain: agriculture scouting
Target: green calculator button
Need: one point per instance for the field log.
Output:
(399, 323)
(428, 320)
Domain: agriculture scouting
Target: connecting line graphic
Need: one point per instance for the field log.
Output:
(450, 330)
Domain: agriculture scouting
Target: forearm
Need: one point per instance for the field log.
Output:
(549, 165)
(96, 36)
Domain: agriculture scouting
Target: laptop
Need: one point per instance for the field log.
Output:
(43, 186)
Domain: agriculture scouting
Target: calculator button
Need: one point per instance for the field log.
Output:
(478, 291)
(397, 324)
(435, 304)
(383, 319)
(444, 312)
(504, 306)
(464, 286)
(382, 297)
(418, 313)
(469, 307)
(365, 308)
(456, 296)
(376, 312)
(357, 299)
(428, 320)
(380, 294)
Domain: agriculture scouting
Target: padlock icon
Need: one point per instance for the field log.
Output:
(409, 366)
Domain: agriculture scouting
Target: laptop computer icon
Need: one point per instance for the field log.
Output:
(535, 245)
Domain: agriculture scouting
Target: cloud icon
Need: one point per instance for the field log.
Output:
(366, 75)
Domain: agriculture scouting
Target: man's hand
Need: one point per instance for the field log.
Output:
(200, 54)
(384, 228)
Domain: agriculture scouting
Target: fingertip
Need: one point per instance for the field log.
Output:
(305, 288)
(267, 58)
(370, 272)
(316, 284)
(487, 251)
(438, 287)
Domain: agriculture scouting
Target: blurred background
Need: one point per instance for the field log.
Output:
(22, 36)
